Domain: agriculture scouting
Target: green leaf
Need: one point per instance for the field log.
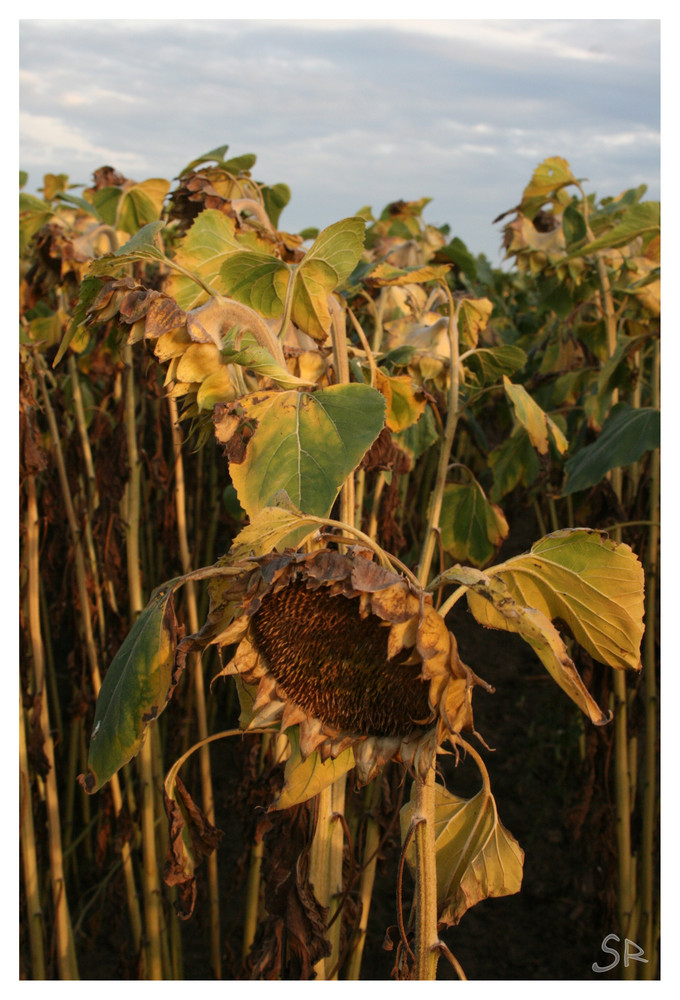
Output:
(106, 200)
(328, 262)
(616, 368)
(538, 425)
(141, 246)
(239, 164)
(458, 254)
(639, 220)
(141, 205)
(303, 779)
(626, 435)
(477, 858)
(135, 690)
(489, 363)
(592, 583)
(85, 206)
(472, 528)
(214, 156)
(240, 347)
(203, 251)
(417, 438)
(513, 462)
(574, 225)
(303, 443)
(33, 215)
(259, 280)
(275, 200)
(89, 289)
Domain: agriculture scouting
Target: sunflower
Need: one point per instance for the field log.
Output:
(353, 653)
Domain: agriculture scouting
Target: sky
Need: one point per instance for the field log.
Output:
(351, 112)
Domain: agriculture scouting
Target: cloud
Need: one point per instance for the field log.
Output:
(349, 113)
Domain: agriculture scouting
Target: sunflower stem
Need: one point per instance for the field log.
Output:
(432, 528)
(325, 867)
(370, 861)
(150, 881)
(196, 671)
(427, 938)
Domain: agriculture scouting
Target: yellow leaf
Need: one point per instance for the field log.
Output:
(172, 344)
(403, 408)
(306, 778)
(477, 858)
(594, 584)
(197, 362)
(216, 388)
(535, 421)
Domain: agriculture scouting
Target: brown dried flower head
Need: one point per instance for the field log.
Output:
(351, 652)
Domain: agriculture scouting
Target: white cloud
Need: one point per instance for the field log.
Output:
(51, 140)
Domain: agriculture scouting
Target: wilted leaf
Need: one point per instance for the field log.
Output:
(626, 435)
(386, 274)
(272, 527)
(403, 407)
(535, 421)
(197, 362)
(492, 606)
(477, 858)
(305, 779)
(592, 583)
(472, 528)
(191, 837)
(473, 317)
(135, 690)
(303, 443)
(548, 177)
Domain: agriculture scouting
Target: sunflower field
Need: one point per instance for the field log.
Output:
(339, 551)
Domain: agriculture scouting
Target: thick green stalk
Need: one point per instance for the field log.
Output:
(196, 672)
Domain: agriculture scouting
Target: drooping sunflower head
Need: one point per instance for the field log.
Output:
(351, 652)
